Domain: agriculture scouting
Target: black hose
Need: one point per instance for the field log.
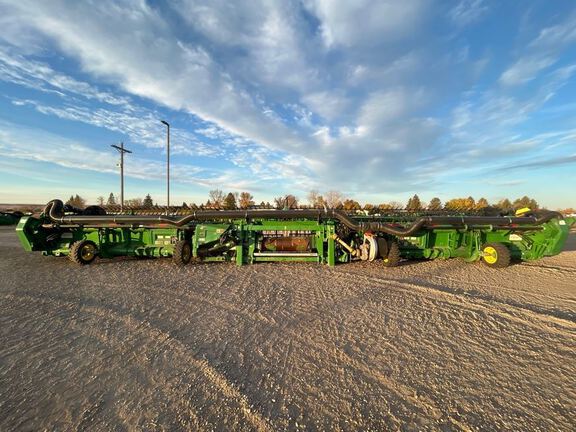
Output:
(55, 211)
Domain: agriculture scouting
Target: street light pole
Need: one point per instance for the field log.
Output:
(121, 150)
(164, 122)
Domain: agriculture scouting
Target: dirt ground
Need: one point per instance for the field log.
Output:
(142, 345)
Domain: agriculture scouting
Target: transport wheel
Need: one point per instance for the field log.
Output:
(393, 257)
(83, 252)
(382, 247)
(93, 210)
(182, 253)
(496, 255)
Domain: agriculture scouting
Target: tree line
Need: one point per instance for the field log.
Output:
(217, 199)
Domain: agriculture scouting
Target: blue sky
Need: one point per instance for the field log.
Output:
(376, 99)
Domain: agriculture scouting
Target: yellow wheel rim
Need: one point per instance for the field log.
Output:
(490, 255)
(87, 252)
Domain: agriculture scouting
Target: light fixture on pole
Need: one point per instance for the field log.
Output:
(121, 150)
(164, 122)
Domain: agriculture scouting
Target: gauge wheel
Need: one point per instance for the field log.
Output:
(496, 255)
(393, 257)
(83, 252)
(182, 253)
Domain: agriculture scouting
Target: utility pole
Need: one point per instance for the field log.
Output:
(121, 150)
(165, 123)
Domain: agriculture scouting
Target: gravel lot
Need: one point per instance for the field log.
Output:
(142, 345)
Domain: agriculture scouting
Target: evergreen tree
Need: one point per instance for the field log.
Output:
(414, 204)
(148, 203)
(229, 202)
(111, 200)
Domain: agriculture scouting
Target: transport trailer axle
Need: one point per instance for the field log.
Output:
(324, 236)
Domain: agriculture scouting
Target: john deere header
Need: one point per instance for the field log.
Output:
(313, 235)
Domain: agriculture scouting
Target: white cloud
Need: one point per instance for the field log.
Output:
(541, 53)
(152, 63)
(327, 104)
(182, 75)
(141, 126)
(487, 126)
(40, 76)
(525, 70)
(296, 94)
(367, 22)
(22, 143)
(468, 11)
(31, 144)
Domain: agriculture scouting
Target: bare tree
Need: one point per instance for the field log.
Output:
(334, 199)
(315, 200)
(134, 202)
(395, 205)
(100, 200)
(286, 202)
(216, 197)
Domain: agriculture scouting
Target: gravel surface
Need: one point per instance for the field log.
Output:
(143, 345)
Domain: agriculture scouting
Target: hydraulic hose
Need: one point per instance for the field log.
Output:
(54, 210)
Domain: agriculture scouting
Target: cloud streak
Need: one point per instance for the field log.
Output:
(364, 97)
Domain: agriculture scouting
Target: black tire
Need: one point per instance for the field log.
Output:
(182, 253)
(94, 210)
(393, 257)
(83, 252)
(382, 247)
(496, 255)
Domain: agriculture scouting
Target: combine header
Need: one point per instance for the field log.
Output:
(323, 236)
(10, 218)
